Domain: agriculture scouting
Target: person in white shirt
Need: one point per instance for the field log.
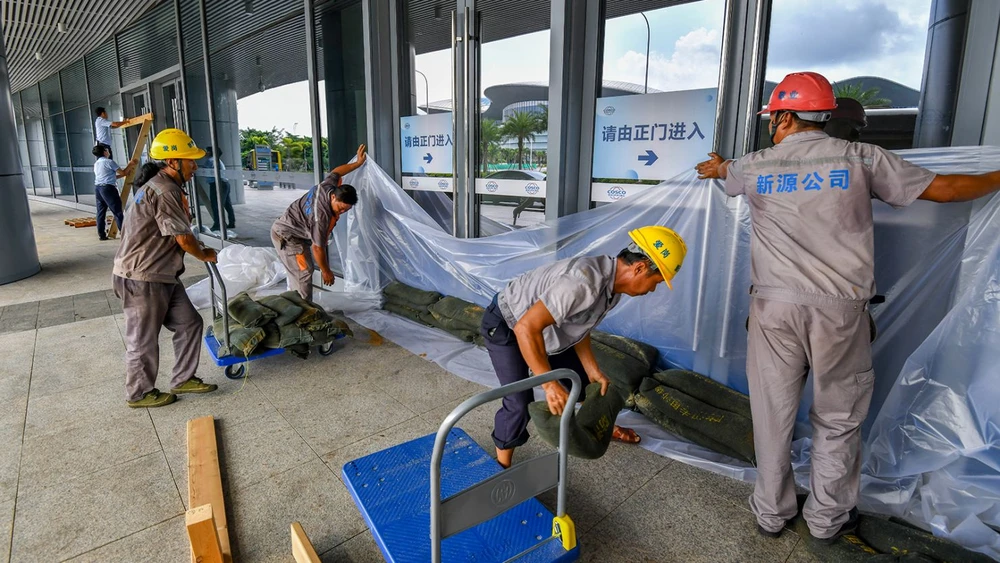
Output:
(227, 203)
(103, 127)
(106, 174)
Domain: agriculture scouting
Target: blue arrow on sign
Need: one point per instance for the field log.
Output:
(650, 157)
(428, 158)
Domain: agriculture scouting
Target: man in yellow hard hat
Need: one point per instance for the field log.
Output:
(147, 273)
(542, 321)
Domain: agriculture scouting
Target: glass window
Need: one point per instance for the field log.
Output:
(22, 142)
(74, 85)
(57, 142)
(656, 114)
(342, 100)
(51, 95)
(873, 52)
(81, 142)
(149, 45)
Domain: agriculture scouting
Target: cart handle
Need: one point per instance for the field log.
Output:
(213, 273)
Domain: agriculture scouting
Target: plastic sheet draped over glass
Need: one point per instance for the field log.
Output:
(933, 449)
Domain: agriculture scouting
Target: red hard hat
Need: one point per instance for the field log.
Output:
(802, 91)
(850, 109)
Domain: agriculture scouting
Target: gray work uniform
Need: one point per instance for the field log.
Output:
(308, 221)
(812, 269)
(578, 293)
(147, 269)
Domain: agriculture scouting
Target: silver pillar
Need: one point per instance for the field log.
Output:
(942, 69)
(18, 253)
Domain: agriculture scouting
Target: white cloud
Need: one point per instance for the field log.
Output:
(694, 63)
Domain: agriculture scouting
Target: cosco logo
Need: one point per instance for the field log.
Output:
(610, 110)
(532, 188)
(443, 184)
(503, 492)
(414, 183)
(406, 125)
(616, 193)
(492, 186)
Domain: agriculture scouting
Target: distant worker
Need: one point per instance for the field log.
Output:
(227, 203)
(103, 127)
(147, 273)
(106, 174)
(812, 270)
(301, 235)
(542, 321)
(847, 120)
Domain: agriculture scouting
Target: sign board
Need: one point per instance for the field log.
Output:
(262, 158)
(522, 188)
(651, 137)
(428, 183)
(426, 144)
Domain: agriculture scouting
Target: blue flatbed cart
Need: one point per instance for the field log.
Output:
(235, 366)
(442, 497)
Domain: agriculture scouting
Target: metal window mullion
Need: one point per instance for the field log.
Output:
(313, 74)
(211, 117)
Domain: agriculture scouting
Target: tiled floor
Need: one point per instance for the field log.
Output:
(84, 478)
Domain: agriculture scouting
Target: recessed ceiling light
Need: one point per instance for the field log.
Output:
(61, 27)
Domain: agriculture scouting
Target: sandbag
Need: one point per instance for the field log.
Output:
(624, 371)
(243, 342)
(653, 413)
(288, 312)
(396, 291)
(454, 329)
(447, 323)
(468, 314)
(300, 351)
(590, 427)
(706, 390)
(292, 335)
(886, 536)
(272, 336)
(330, 332)
(405, 312)
(311, 312)
(249, 313)
(639, 350)
(730, 430)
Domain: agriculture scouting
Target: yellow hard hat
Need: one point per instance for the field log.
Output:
(663, 246)
(174, 143)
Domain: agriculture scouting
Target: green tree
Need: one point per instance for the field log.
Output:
(521, 126)
(543, 118)
(867, 97)
(490, 137)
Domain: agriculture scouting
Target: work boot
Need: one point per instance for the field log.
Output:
(768, 533)
(153, 399)
(848, 527)
(194, 385)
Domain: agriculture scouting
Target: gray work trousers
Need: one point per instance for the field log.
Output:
(299, 278)
(785, 340)
(147, 307)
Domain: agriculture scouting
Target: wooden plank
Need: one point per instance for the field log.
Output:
(137, 120)
(205, 478)
(302, 548)
(203, 535)
(136, 153)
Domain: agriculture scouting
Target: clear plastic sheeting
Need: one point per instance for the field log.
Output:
(933, 448)
(244, 268)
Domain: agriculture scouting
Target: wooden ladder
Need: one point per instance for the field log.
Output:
(146, 121)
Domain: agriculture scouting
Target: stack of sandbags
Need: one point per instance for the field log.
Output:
(626, 362)
(699, 409)
(409, 302)
(590, 427)
(460, 318)
(278, 321)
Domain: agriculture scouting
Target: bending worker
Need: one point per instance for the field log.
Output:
(147, 273)
(542, 321)
(812, 272)
(307, 224)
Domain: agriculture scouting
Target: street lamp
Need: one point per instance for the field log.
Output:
(645, 85)
(427, 92)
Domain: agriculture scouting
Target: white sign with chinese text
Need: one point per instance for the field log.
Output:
(426, 144)
(652, 136)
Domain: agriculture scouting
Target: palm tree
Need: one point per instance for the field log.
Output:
(490, 137)
(868, 98)
(521, 126)
(543, 118)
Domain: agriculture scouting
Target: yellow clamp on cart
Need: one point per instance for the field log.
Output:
(563, 528)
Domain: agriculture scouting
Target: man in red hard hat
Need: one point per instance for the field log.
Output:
(812, 271)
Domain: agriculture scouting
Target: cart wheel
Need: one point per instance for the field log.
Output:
(326, 349)
(236, 371)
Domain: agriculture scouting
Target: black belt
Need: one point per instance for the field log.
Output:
(106, 186)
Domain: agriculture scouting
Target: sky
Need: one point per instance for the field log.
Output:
(883, 38)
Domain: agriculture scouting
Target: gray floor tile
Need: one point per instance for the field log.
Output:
(478, 423)
(165, 542)
(11, 432)
(675, 517)
(102, 402)
(403, 432)
(6, 523)
(425, 387)
(91, 305)
(309, 494)
(359, 549)
(89, 351)
(20, 310)
(83, 514)
(801, 554)
(15, 364)
(53, 312)
(19, 322)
